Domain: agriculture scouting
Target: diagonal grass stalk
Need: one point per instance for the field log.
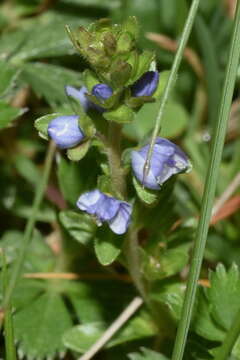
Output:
(172, 78)
(29, 227)
(210, 188)
(10, 350)
(230, 339)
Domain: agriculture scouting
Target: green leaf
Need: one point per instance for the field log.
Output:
(49, 81)
(8, 75)
(80, 226)
(175, 120)
(8, 113)
(225, 285)
(122, 114)
(41, 124)
(39, 256)
(149, 197)
(159, 263)
(39, 327)
(80, 338)
(147, 354)
(107, 246)
(78, 152)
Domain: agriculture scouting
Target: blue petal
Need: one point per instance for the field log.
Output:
(90, 201)
(167, 160)
(146, 85)
(80, 96)
(65, 132)
(119, 224)
(138, 162)
(102, 91)
(107, 208)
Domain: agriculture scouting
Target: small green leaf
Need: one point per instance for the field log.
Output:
(122, 114)
(78, 152)
(107, 246)
(79, 225)
(41, 124)
(39, 327)
(147, 354)
(80, 338)
(8, 113)
(147, 196)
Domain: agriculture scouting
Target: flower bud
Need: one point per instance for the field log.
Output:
(65, 132)
(106, 208)
(80, 96)
(102, 92)
(146, 85)
(167, 160)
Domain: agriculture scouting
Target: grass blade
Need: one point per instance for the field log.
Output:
(172, 78)
(8, 325)
(30, 226)
(210, 188)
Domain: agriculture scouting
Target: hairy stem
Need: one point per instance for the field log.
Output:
(114, 158)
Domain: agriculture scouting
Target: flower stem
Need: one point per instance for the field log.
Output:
(210, 189)
(171, 80)
(114, 158)
(30, 226)
(133, 263)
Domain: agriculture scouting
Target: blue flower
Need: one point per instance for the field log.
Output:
(167, 160)
(106, 208)
(146, 85)
(65, 132)
(80, 96)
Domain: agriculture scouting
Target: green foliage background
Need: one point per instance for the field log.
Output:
(62, 318)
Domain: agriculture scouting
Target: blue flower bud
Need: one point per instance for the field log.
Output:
(167, 160)
(146, 85)
(80, 96)
(102, 92)
(65, 132)
(106, 208)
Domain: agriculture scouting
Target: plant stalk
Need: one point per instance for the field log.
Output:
(16, 273)
(210, 189)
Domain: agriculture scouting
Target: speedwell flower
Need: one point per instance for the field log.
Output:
(102, 92)
(65, 132)
(167, 160)
(106, 208)
(146, 85)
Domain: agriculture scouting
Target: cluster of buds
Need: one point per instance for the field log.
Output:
(119, 82)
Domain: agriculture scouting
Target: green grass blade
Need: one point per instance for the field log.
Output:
(210, 188)
(8, 325)
(172, 78)
(30, 226)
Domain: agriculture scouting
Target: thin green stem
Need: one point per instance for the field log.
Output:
(210, 189)
(172, 78)
(30, 226)
(230, 339)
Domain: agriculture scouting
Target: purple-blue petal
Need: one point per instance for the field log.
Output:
(102, 91)
(106, 208)
(120, 223)
(167, 159)
(146, 85)
(80, 95)
(65, 132)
